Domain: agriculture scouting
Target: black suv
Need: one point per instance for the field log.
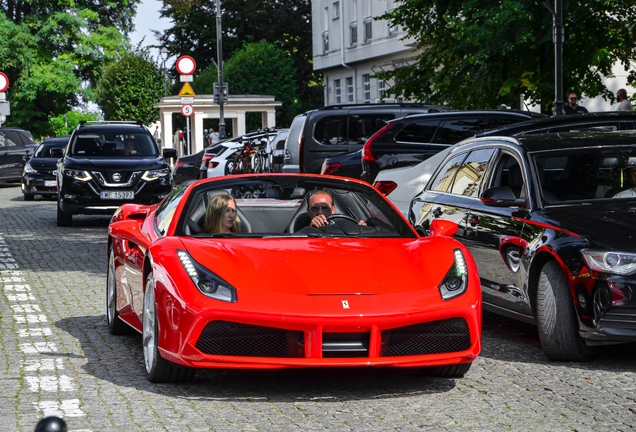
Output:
(413, 139)
(106, 164)
(337, 129)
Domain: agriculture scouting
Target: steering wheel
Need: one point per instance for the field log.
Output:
(334, 217)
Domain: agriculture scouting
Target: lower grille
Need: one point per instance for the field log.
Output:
(435, 337)
(619, 317)
(232, 339)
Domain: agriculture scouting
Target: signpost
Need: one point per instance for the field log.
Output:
(5, 106)
(186, 67)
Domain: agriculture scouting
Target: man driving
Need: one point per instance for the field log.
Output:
(320, 206)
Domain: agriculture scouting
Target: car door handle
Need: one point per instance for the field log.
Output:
(438, 212)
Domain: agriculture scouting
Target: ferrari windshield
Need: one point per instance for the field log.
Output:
(587, 174)
(278, 206)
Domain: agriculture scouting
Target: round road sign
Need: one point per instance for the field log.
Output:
(4, 82)
(187, 110)
(186, 65)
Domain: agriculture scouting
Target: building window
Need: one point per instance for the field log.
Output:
(325, 42)
(353, 31)
(393, 29)
(366, 85)
(336, 10)
(381, 89)
(349, 89)
(368, 30)
(336, 86)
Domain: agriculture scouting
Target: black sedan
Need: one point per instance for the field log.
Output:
(345, 165)
(39, 174)
(549, 219)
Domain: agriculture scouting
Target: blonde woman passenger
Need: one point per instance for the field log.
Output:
(221, 215)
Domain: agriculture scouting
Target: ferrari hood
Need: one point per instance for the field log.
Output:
(325, 266)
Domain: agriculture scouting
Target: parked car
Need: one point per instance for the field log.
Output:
(106, 165)
(337, 129)
(413, 139)
(15, 143)
(218, 165)
(190, 167)
(39, 174)
(599, 121)
(344, 165)
(402, 184)
(549, 221)
(248, 299)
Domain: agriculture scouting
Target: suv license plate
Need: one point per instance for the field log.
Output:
(50, 183)
(117, 195)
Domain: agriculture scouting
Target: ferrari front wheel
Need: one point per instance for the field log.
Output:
(115, 325)
(158, 370)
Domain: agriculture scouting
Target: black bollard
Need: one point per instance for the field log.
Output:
(51, 424)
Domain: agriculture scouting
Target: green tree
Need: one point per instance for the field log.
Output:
(286, 23)
(53, 51)
(129, 87)
(480, 54)
(64, 124)
(258, 68)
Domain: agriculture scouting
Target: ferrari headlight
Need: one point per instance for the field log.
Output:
(456, 280)
(77, 174)
(155, 174)
(207, 282)
(621, 263)
(28, 169)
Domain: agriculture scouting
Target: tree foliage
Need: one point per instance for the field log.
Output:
(480, 54)
(129, 87)
(52, 51)
(258, 68)
(286, 23)
(64, 124)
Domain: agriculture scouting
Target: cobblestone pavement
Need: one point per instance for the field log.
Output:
(57, 357)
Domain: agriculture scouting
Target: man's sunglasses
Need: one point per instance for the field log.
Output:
(324, 208)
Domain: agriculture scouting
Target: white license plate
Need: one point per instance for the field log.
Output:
(50, 183)
(117, 195)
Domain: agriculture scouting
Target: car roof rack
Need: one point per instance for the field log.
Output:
(104, 122)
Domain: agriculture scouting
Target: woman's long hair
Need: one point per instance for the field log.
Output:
(215, 213)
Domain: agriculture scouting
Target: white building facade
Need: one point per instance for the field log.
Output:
(349, 46)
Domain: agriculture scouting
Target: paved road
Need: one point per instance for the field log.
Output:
(57, 357)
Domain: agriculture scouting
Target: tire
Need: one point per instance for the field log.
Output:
(28, 197)
(158, 370)
(115, 325)
(63, 219)
(557, 320)
(448, 371)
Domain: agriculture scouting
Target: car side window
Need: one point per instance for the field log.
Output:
(418, 132)
(10, 139)
(471, 173)
(453, 131)
(508, 172)
(445, 176)
(331, 130)
(362, 126)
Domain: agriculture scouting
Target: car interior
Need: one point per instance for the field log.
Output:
(266, 209)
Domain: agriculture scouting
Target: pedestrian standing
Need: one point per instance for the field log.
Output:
(214, 137)
(624, 104)
(573, 107)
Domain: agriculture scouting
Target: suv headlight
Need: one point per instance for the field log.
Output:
(456, 280)
(77, 174)
(621, 263)
(28, 169)
(155, 174)
(207, 282)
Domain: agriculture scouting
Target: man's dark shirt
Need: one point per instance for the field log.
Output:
(578, 110)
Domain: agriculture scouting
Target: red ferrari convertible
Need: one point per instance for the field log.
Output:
(279, 293)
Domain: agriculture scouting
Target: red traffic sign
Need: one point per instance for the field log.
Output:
(186, 65)
(4, 82)
(187, 110)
